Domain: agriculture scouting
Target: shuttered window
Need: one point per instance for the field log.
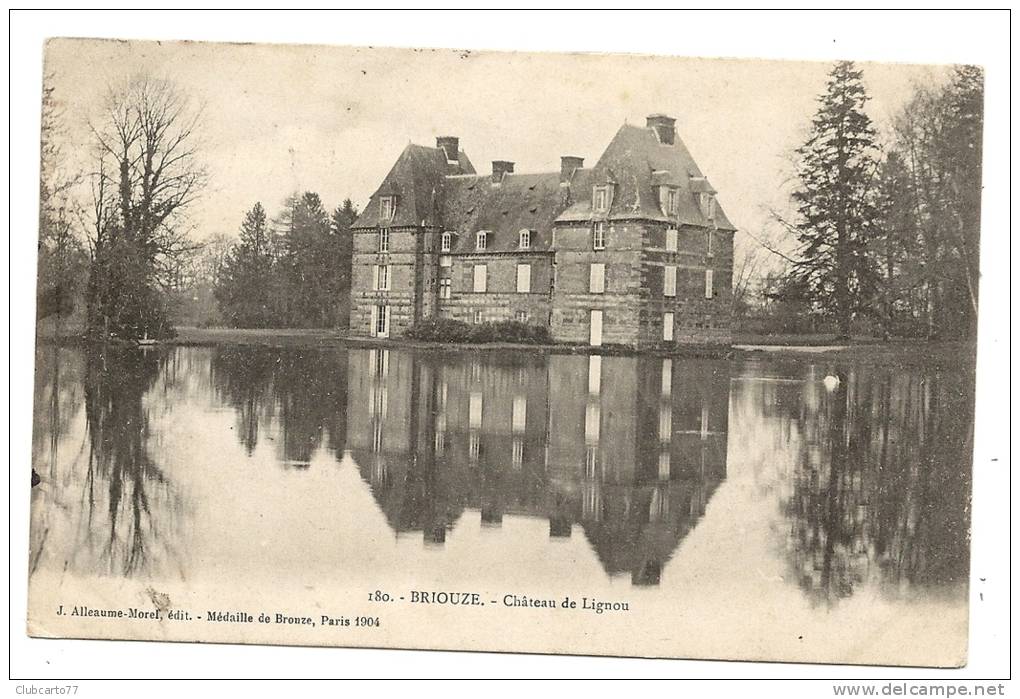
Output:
(669, 281)
(523, 279)
(597, 278)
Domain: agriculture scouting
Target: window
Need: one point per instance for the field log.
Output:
(381, 321)
(476, 317)
(524, 239)
(598, 235)
(711, 242)
(445, 261)
(597, 278)
(601, 199)
(671, 240)
(670, 199)
(387, 207)
(522, 316)
(481, 240)
(446, 241)
(709, 287)
(669, 280)
(481, 278)
(523, 279)
(381, 277)
(444, 288)
(384, 240)
(667, 329)
(708, 205)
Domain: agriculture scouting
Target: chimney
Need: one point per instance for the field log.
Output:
(663, 126)
(568, 164)
(500, 168)
(450, 144)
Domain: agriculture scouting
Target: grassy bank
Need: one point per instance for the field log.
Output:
(817, 348)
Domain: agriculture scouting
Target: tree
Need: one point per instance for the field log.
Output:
(938, 138)
(61, 260)
(244, 289)
(146, 175)
(835, 201)
(341, 251)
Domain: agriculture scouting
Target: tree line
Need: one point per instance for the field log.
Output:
(887, 237)
(117, 255)
(293, 271)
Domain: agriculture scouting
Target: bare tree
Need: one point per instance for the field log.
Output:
(147, 173)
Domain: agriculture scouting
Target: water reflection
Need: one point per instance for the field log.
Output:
(116, 505)
(867, 485)
(627, 449)
(877, 485)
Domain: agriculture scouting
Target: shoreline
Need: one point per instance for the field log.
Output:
(747, 347)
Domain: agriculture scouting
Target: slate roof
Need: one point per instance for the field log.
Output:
(432, 192)
(636, 162)
(520, 201)
(416, 179)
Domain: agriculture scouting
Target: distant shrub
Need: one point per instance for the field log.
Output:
(455, 331)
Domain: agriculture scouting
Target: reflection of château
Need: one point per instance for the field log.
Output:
(631, 449)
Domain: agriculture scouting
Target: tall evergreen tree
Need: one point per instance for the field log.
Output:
(340, 251)
(835, 201)
(244, 289)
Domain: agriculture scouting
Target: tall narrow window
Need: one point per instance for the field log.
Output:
(387, 207)
(384, 240)
(597, 278)
(481, 240)
(671, 239)
(709, 285)
(446, 241)
(667, 327)
(711, 242)
(523, 279)
(669, 280)
(601, 199)
(476, 317)
(524, 239)
(481, 279)
(672, 199)
(598, 235)
(444, 287)
(381, 277)
(382, 321)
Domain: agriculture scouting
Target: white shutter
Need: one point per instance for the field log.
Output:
(480, 279)
(671, 240)
(667, 329)
(523, 279)
(709, 291)
(669, 281)
(375, 323)
(597, 278)
(375, 277)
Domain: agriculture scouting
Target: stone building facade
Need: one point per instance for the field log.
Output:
(634, 251)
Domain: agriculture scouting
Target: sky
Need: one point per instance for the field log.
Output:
(277, 119)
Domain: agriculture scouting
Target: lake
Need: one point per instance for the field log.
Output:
(737, 507)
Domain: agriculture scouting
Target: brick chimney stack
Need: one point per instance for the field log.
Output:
(568, 165)
(451, 145)
(500, 168)
(663, 126)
